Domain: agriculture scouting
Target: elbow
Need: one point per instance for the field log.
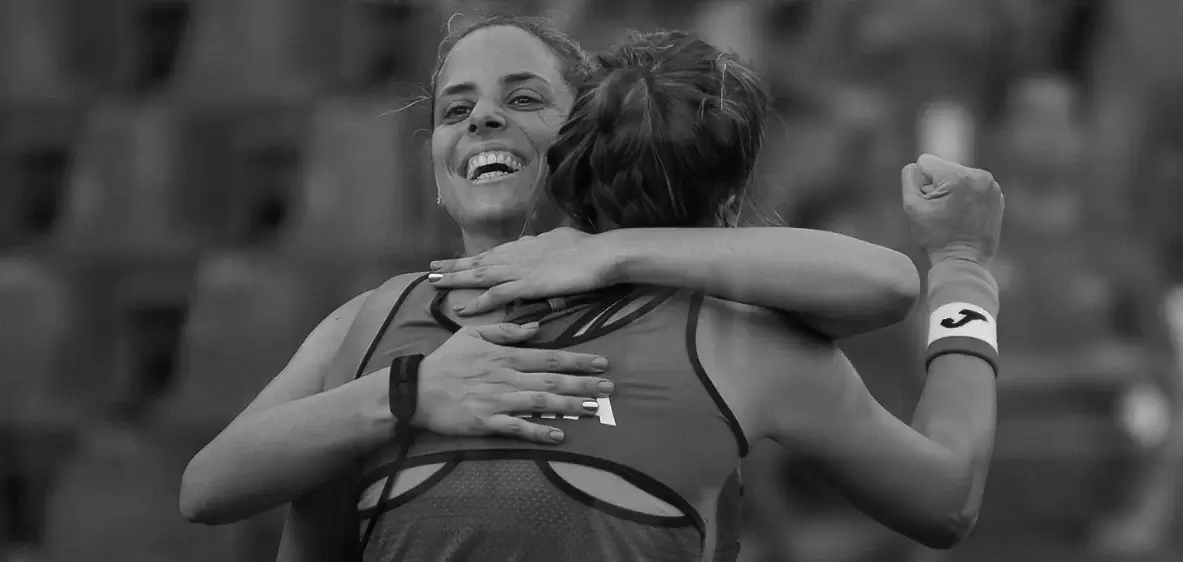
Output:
(197, 508)
(197, 505)
(949, 517)
(949, 531)
(194, 508)
(950, 524)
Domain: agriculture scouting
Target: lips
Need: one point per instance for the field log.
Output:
(491, 163)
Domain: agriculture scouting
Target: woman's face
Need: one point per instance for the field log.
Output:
(500, 101)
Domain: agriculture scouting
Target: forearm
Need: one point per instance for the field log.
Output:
(958, 407)
(927, 482)
(839, 285)
(274, 456)
(957, 411)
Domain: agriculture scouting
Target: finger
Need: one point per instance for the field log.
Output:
(914, 173)
(942, 172)
(482, 277)
(494, 298)
(915, 186)
(449, 266)
(505, 333)
(547, 403)
(932, 163)
(554, 361)
(981, 180)
(566, 385)
(510, 426)
(913, 180)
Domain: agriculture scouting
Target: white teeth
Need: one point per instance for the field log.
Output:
(492, 157)
(488, 176)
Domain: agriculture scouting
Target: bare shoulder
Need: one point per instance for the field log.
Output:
(753, 328)
(760, 360)
(328, 335)
(331, 330)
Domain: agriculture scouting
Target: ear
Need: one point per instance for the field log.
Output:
(729, 211)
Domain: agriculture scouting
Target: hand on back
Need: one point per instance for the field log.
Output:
(563, 261)
(474, 383)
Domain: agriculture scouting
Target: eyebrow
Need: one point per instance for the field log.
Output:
(507, 80)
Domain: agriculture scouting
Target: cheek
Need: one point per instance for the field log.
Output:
(441, 148)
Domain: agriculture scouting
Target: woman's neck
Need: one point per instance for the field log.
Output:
(488, 236)
(481, 240)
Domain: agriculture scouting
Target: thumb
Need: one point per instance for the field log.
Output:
(938, 170)
(505, 333)
(914, 182)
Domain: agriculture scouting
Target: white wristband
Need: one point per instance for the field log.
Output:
(964, 329)
(962, 319)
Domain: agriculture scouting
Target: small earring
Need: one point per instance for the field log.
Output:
(439, 200)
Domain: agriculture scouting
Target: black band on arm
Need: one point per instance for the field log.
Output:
(404, 402)
(404, 389)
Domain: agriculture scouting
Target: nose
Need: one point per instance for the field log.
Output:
(485, 121)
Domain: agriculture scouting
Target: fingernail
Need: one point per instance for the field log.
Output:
(530, 326)
(435, 266)
(556, 435)
(459, 307)
(605, 387)
(434, 277)
(591, 406)
(599, 363)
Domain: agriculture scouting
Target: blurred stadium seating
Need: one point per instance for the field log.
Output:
(36, 152)
(254, 49)
(126, 195)
(361, 192)
(114, 500)
(247, 315)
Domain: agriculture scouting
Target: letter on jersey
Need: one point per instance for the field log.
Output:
(604, 413)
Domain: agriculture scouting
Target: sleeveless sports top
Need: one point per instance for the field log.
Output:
(665, 430)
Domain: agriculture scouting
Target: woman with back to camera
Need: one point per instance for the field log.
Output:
(513, 78)
(697, 379)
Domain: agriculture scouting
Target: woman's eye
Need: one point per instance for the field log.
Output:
(456, 111)
(523, 100)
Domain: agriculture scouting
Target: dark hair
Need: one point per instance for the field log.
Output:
(665, 134)
(574, 63)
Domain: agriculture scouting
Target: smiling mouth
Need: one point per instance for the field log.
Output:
(491, 165)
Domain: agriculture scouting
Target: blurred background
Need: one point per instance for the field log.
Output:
(187, 187)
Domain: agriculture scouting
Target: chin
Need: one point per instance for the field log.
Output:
(505, 201)
(489, 208)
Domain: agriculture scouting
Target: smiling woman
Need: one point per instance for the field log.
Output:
(501, 98)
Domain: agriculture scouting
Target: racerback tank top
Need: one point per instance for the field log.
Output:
(665, 430)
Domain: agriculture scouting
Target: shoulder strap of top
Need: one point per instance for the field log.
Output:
(367, 328)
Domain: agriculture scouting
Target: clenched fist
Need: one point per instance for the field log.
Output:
(956, 210)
